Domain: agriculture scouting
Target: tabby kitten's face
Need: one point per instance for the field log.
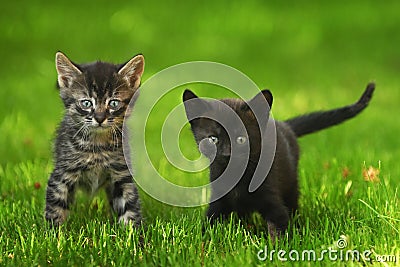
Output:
(228, 129)
(96, 95)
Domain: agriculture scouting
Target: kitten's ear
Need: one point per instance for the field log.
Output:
(187, 95)
(268, 96)
(194, 106)
(260, 108)
(264, 94)
(66, 70)
(261, 97)
(132, 71)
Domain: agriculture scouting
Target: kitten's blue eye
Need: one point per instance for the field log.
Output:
(241, 140)
(213, 139)
(86, 103)
(114, 103)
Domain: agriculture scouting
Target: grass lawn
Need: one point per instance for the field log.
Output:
(311, 56)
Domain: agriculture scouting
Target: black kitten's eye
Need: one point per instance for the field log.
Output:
(86, 103)
(114, 103)
(213, 139)
(241, 140)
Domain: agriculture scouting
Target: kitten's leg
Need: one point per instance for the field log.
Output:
(124, 197)
(218, 210)
(59, 195)
(277, 217)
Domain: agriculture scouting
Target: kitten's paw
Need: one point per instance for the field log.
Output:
(130, 217)
(56, 216)
(275, 233)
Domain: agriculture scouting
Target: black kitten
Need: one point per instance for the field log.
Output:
(88, 148)
(253, 159)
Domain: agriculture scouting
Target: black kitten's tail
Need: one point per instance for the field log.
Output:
(319, 120)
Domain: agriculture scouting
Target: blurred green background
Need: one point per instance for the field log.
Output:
(312, 55)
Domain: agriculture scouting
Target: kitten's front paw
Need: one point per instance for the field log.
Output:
(130, 217)
(275, 233)
(56, 217)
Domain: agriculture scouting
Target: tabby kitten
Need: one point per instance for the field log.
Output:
(88, 147)
(223, 140)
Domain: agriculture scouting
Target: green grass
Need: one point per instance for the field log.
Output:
(311, 55)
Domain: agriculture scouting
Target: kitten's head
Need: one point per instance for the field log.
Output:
(96, 95)
(228, 127)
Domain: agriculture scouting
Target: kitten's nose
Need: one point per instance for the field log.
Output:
(99, 116)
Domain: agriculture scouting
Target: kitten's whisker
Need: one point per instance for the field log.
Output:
(118, 128)
(79, 130)
(114, 129)
(114, 143)
(78, 123)
(85, 135)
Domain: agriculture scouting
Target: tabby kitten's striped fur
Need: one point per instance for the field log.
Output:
(88, 147)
